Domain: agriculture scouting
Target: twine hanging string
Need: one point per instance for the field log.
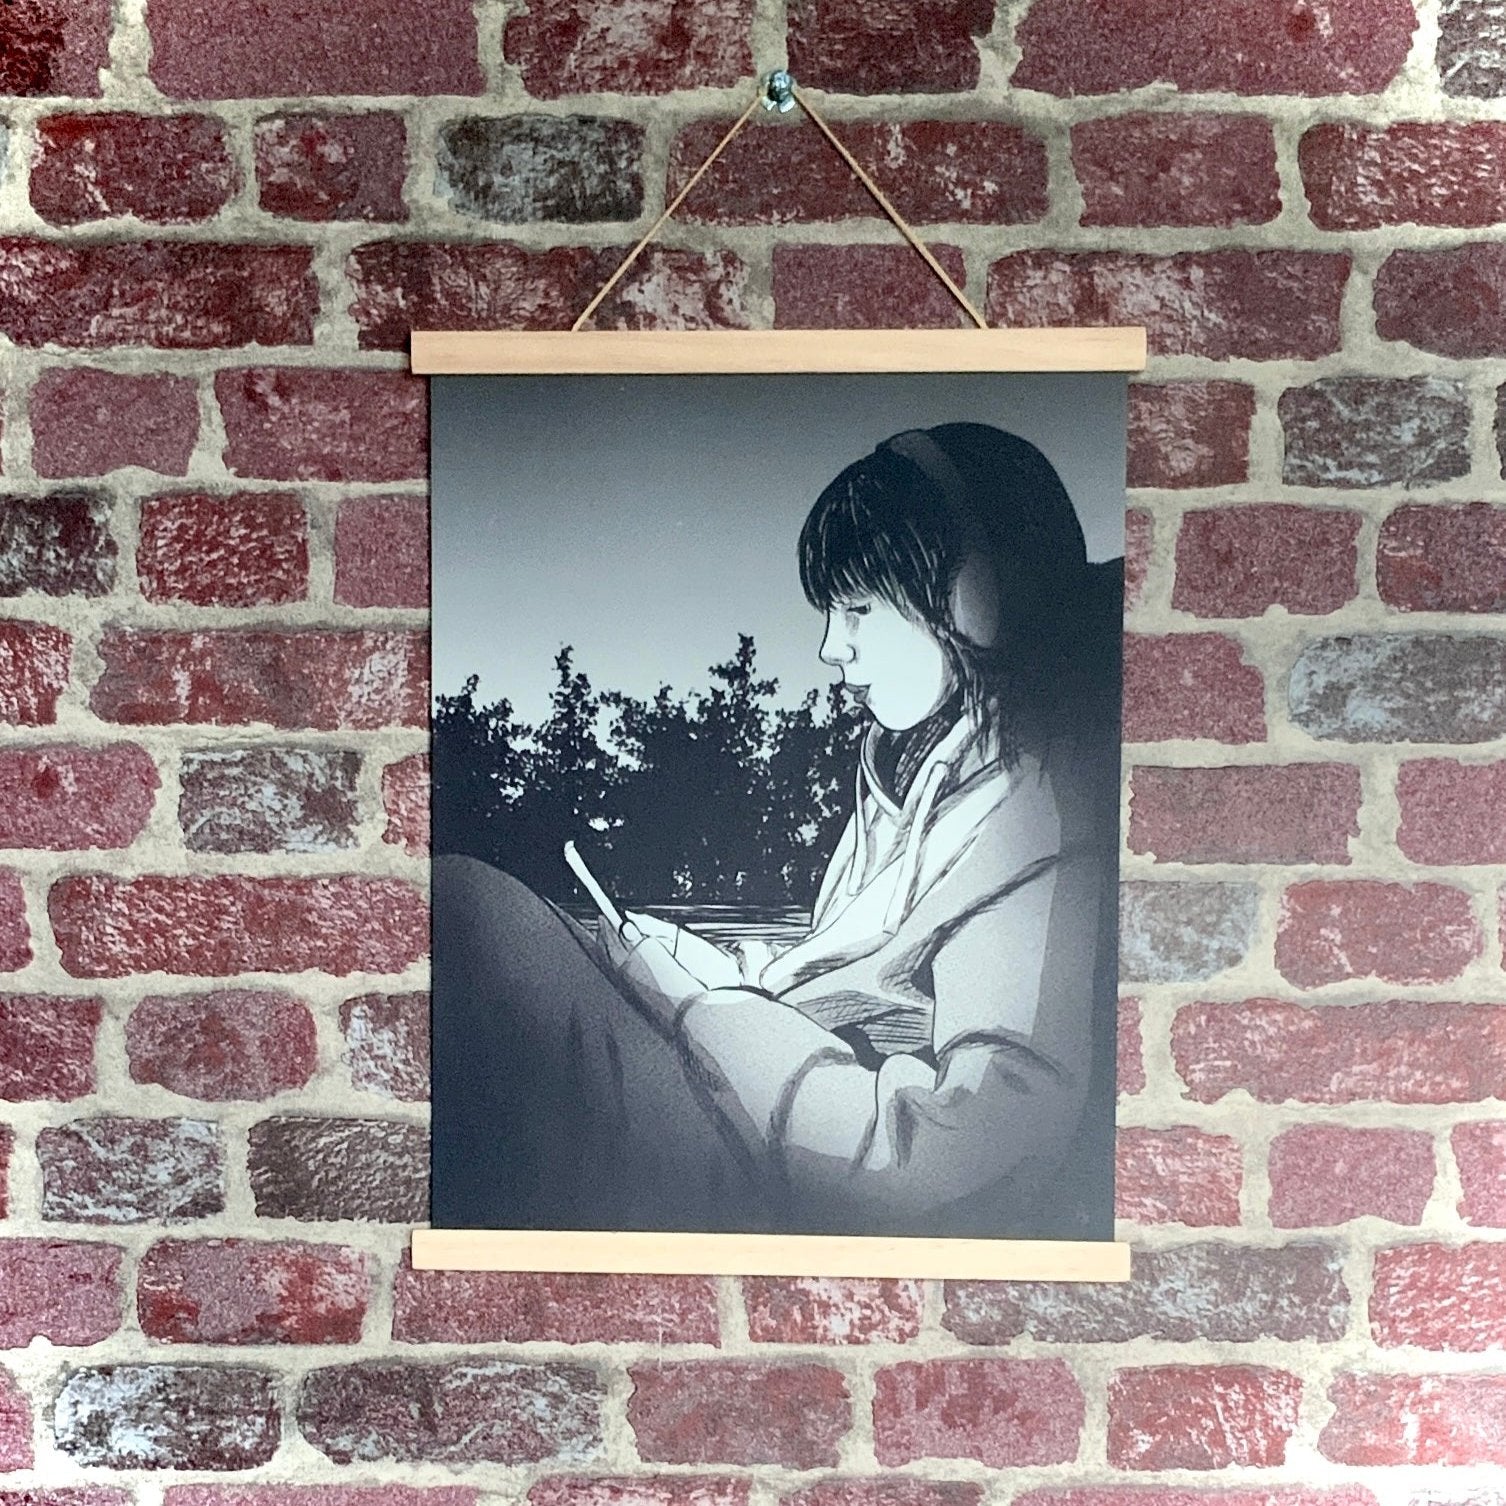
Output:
(878, 194)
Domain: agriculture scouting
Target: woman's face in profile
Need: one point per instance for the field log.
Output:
(890, 663)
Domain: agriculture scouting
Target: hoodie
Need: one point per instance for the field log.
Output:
(923, 1059)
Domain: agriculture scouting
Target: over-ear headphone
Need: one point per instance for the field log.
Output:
(973, 604)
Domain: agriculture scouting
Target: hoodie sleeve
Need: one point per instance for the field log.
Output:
(1012, 1044)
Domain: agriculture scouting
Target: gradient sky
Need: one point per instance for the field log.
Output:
(649, 520)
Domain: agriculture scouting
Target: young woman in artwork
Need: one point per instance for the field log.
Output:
(935, 1056)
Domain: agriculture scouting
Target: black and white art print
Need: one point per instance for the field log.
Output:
(776, 731)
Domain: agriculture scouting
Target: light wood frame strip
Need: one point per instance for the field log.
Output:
(769, 1255)
(664, 352)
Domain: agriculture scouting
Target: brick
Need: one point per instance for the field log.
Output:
(521, 169)
(131, 1171)
(206, 1417)
(268, 799)
(847, 47)
(405, 798)
(65, 797)
(981, 172)
(1183, 933)
(1441, 558)
(245, 550)
(321, 1495)
(1130, 1074)
(1416, 1419)
(241, 1291)
(375, 1170)
(1401, 687)
(1330, 931)
(1450, 302)
(1172, 1495)
(172, 295)
(1179, 169)
(86, 422)
(1443, 1297)
(739, 1412)
(295, 680)
(1201, 1416)
(289, 423)
(638, 1490)
(47, 1047)
(1480, 1154)
(886, 1490)
(1374, 431)
(807, 1310)
(251, 50)
(382, 552)
(655, 47)
(406, 285)
(54, 47)
(1472, 48)
(1246, 813)
(1255, 305)
(1396, 1051)
(233, 1043)
(34, 664)
(1191, 685)
(1452, 812)
(15, 1425)
(59, 545)
(1003, 1413)
(1139, 541)
(864, 287)
(1177, 1176)
(63, 1290)
(508, 1307)
(1329, 1173)
(475, 1411)
(165, 169)
(1189, 434)
(1240, 561)
(15, 933)
(387, 1045)
(212, 926)
(66, 1495)
(1100, 47)
(316, 166)
(1219, 1292)
(1360, 177)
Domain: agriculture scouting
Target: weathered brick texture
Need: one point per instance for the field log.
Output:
(162, 169)
(86, 422)
(222, 224)
(1006, 1413)
(736, 1412)
(491, 1307)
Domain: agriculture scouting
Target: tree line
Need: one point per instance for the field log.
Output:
(710, 797)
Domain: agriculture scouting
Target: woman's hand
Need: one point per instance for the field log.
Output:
(647, 971)
(700, 958)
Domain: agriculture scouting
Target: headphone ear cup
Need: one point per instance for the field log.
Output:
(975, 602)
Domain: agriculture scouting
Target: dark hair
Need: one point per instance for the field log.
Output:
(901, 524)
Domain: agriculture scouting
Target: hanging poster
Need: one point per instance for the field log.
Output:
(776, 796)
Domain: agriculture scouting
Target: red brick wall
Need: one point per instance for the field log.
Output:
(220, 222)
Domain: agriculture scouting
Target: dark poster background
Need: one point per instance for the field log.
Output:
(623, 656)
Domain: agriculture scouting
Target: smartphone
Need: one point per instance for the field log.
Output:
(588, 883)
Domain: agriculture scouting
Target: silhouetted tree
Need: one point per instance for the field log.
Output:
(713, 797)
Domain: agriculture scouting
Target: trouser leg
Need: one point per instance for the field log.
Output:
(556, 1104)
